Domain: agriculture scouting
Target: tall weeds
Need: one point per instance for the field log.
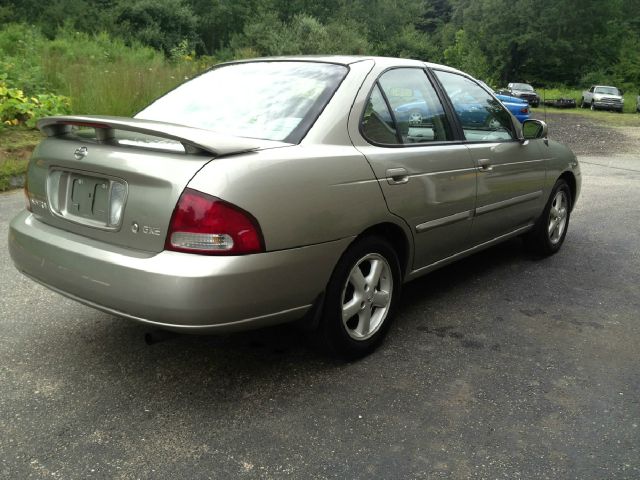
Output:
(100, 74)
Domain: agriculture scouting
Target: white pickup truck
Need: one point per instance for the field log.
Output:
(604, 97)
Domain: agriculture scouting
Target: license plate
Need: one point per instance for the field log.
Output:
(90, 200)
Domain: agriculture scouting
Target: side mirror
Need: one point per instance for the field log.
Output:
(533, 129)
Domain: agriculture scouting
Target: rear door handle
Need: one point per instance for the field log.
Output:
(484, 165)
(397, 176)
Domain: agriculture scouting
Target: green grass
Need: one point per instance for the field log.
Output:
(100, 74)
(120, 88)
(16, 145)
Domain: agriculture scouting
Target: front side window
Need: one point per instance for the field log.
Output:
(483, 118)
(405, 103)
(266, 100)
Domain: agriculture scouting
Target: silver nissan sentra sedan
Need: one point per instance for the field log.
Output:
(270, 190)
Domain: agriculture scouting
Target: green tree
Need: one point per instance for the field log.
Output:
(161, 24)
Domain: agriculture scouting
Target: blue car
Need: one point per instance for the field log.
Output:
(517, 106)
(471, 113)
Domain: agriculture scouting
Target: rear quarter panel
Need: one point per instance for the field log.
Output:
(300, 195)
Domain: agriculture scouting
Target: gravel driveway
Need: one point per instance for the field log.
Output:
(586, 137)
(500, 366)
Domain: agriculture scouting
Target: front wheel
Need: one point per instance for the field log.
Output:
(593, 106)
(360, 298)
(550, 229)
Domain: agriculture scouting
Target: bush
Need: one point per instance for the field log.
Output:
(21, 48)
(18, 109)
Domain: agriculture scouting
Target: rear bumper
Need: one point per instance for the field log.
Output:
(171, 290)
(522, 117)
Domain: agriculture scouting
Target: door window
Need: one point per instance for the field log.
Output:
(483, 118)
(404, 109)
(377, 123)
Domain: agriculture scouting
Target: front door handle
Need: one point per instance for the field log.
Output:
(484, 165)
(397, 176)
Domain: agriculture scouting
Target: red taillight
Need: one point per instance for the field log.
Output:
(525, 110)
(87, 124)
(207, 225)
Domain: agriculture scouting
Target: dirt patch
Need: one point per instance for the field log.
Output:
(586, 137)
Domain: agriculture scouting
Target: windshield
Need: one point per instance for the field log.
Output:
(523, 87)
(606, 90)
(266, 100)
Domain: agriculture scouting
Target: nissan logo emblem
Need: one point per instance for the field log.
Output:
(80, 153)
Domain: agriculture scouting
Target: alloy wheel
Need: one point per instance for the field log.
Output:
(366, 296)
(558, 217)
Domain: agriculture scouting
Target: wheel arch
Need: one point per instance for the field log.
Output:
(571, 181)
(398, 238)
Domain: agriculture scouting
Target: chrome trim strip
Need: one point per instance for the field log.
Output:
(456, 217)
(508, 203)
(464, 253)
(445, 172)
(538, 160)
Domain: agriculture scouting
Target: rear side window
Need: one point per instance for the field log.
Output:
(483, 118)
(377, 123)
(403, 108)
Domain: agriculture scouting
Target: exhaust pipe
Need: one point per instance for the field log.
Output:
(157, 336)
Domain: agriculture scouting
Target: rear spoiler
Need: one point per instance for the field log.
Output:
(194, 140)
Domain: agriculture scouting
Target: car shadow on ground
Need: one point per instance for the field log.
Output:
(109, 355)
(284, 342)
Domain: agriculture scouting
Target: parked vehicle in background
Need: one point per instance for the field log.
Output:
(602, 97)
(268, 190)
(524, 91)
(517, 106)
(561, 103)
(638, 103)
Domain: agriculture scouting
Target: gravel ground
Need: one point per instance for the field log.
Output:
(585, 137)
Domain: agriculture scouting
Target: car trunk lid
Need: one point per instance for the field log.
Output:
(117, 180)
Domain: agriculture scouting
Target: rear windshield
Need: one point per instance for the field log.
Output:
(266, 100)
(606, 90)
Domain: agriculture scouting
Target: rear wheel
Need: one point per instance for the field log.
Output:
(360, 298)
(550, 229)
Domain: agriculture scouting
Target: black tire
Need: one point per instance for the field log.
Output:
(337, 335)
(593, 106)
(540, 239)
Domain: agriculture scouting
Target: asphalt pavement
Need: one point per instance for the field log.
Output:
(501, 366)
